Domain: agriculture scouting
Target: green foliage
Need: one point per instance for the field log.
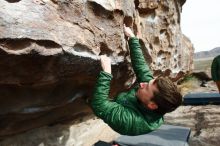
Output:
(188, 77)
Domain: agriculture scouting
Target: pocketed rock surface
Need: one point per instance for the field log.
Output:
(49, 54)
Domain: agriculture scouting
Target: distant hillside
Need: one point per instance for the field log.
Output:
(206, 54)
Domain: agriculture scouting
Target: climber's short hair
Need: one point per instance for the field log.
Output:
(168, 98)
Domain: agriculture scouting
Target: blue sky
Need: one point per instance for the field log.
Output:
(200, 21)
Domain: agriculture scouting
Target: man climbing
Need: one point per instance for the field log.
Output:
(141, 109)
(215, 71)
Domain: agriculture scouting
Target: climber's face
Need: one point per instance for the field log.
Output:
(145, 94)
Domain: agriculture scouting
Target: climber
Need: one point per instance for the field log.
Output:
(141, 109)
(215, 71)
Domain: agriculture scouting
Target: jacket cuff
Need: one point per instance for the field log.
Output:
(105, 75)
(133, 40)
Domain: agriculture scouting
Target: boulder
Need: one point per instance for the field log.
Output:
(49, 54)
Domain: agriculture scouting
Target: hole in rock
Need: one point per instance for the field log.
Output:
(104, 49)
(136, 2)
(145, 52)
(48, 44)
(156, 40)
(162, 31)
(13, 1)
(99, 11)
(82, 48)
(128, 21)
(157, 72)
(15, 44)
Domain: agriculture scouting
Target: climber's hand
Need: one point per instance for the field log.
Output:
(105, 63)
(128, 32)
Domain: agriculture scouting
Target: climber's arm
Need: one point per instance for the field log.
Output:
(139, 64)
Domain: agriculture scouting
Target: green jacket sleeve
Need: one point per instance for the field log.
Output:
(121, 119)
(139, 65)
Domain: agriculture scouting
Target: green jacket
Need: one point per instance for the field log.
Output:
(125, 114)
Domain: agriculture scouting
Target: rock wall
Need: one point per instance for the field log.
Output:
(83, 132)
(203, 121)
(49, 53)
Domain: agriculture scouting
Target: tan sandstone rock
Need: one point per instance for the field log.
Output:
(49, 53)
